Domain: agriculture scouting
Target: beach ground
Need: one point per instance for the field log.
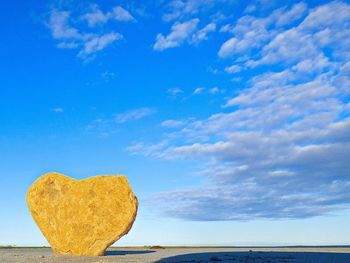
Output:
(190, 255)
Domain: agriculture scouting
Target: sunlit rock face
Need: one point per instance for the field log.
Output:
(82, 217)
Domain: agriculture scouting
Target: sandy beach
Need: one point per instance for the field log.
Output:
(193, 255)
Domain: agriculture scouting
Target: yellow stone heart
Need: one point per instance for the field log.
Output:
(82, 217)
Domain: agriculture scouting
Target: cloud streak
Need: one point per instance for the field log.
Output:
(133, 115)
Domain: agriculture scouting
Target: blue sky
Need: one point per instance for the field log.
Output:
(230, 118)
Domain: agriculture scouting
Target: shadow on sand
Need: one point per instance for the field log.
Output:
(127, 252)
(260, 257)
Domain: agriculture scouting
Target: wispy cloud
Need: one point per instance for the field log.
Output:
(108, 75)
(101, 127)
(104, 127)
(216, 90)
(198, 91)
(149, 150)
(98, 43)
(173, 123)
(58, 110)
(135, 114)
(212, 91)
(175, 91)
(233, 69)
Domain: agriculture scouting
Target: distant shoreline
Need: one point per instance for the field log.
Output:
(160, 247)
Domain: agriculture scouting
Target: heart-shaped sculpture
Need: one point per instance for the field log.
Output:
(82, 217)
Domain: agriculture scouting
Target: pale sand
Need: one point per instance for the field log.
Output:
(193, 255)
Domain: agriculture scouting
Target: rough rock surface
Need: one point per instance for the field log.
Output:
(82, 217)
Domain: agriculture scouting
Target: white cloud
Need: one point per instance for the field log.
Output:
(149, 150)
(172, 123)
(68, 45)
(215, 90)
(228, 47)
(250, 8)
(226, 28)
(57, 110)
(108, 75)
(233, 69)
(185, 9)
(202, 34)
(180, 32)
(288, 17)
(97, 17)
(213, 70)
(181, 8)
(98, 43)
(121, 14)
(133, 115)
(60, 28)
(310, 66)
(175, 91)
(198, 91)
